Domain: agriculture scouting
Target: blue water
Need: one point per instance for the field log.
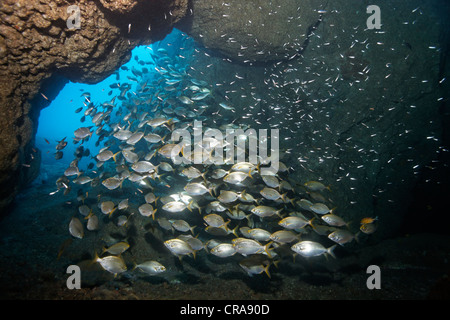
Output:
(59, 119)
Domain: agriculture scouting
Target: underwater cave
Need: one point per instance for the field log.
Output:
(89, 171)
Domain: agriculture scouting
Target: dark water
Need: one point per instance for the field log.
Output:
(365, 120)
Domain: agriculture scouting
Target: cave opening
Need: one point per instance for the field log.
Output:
(70, 108)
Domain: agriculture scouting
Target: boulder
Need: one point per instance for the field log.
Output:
(253, 31)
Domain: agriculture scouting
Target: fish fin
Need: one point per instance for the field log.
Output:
(278, 212)
(330, 250)
(189, 205)
(115, 154)
(95, 257)
(250, 175)
(192, 229)
(112, 211)
(153, 214)
(266, 270)
(357, 236)
(275, 263)
(266, 249)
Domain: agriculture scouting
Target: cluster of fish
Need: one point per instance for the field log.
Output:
(225, 209)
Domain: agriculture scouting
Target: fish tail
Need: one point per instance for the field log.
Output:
(330, 250)
(115, 154)
(266, 270)
(266, 249)
(153, 214)
(112, 211)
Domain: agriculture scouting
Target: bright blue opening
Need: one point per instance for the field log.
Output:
(59, 119)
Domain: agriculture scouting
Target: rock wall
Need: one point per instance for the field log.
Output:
(359, 109)
(36, 44)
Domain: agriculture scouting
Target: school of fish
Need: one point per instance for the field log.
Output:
(227, 209)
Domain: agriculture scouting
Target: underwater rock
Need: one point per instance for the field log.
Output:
(36, 44)
(253, 30)
(362, 106)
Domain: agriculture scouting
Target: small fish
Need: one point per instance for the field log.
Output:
(174, 206)
(256, 264)
(112, 183)
(117, 248)
(227, 196)
(179, 247)
(182, 226)
(147, 210)
(151, 267)
(223, 250)
(368, 228)
(249, 246)
(76, 228)
(316, 186)
(368, 220)
(112, 264)
(341, 236)
(265, 211)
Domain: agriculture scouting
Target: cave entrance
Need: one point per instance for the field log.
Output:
(69, 110)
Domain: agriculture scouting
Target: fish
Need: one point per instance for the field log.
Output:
(368, 228)
(92, 223)
(256, 264)
(179, 247)
(341, 236)
(76, 228)
(112, 264)
(147, 210)
(196, 189)
(294, 222)
(284, 236)
(368, 220)
(310, 249)
(227, 196)
(181, 225)
(143, 167)
(236, 177)
(214, 220)
(185, 100)
(123, 205)
(249, 246)
(117, 248)
(334, 220)
(112, 183)
(259, 234)
(174, 206)
(61, 144)
(150, 267)
(266, 211)
(107, 207)
(226, 106)
(83, 132)
(223, 250)
(320, 208)
(316, 186)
